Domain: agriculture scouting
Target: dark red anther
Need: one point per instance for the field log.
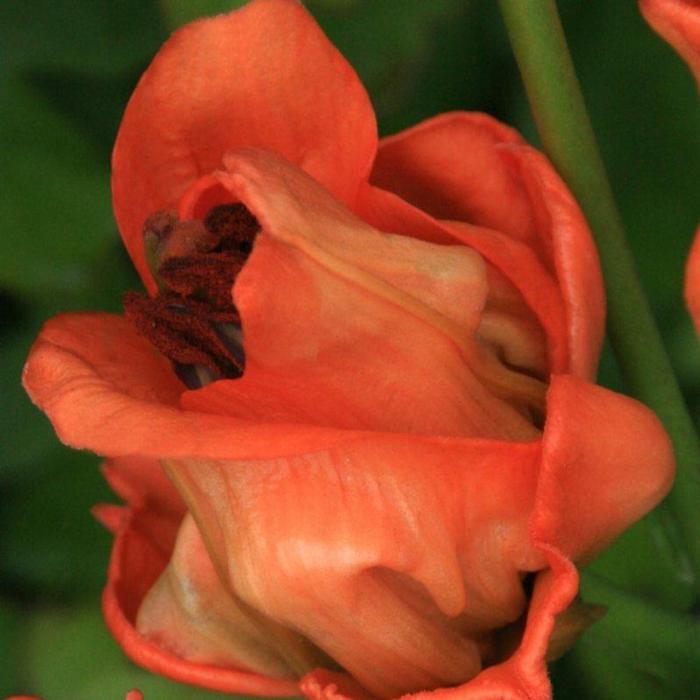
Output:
(235, 226)
(204, 277)
(193, 320)
(180, 334)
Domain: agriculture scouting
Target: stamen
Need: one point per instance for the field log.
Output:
(179, 334)
(204, 276)
(193, 320)
(184, 239)
(235, 226)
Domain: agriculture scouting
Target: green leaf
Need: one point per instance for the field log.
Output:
(9, 648)
(649, 560)
(55, 204)
(179, 12)
(71, 655)
(638, 651)
(103, 37)
(49, 542)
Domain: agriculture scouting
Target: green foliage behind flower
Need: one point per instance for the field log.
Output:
(67, 68)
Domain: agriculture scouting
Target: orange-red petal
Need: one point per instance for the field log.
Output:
(470, 168)
(311, 542)
(451, 167)
(366, 334)
(189, 613)
(139, 555)
(589, 488)
(263, 76)
(106, 389)
(678, 22)
(606, 461)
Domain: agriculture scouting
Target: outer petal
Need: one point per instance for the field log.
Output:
(677, 21)
(607, 461)
(590, 487)
(141, 552)
(692, 281)
(398, 618)
(263, 76)
(142, 483)
(470, 168)
(451, 167)
(106, 389)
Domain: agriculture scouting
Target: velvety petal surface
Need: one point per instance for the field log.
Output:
(263, 76)
(606, 461)
(397, 618)
(144, 541)
(190, 614)
(590, 487)
(376, 339)
(470, 168)
(678, 22)
(537, 297)
(451, 167)
(106, 389)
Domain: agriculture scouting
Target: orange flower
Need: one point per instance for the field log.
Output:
(677, 21)
(391, 449)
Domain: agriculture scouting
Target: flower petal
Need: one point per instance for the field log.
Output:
(470, 168)
(606, 461)
(508, 258)
(106, 389)
(591, 486)
(140, 553)
(263, 76)
(189, 613)
(142, 483)
(398, 619)
(678, 22)
(451, 167)
(368, 310)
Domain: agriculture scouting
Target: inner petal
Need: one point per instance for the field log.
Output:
(347, 326)
(189, 613)
(311, 542)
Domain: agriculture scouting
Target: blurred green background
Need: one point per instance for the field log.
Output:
(67, 68)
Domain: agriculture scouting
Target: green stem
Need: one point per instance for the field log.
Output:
(562, 121)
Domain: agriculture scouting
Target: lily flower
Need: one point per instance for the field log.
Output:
(354, 421)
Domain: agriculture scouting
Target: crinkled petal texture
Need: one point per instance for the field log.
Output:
(415, 440)
(678, 22)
